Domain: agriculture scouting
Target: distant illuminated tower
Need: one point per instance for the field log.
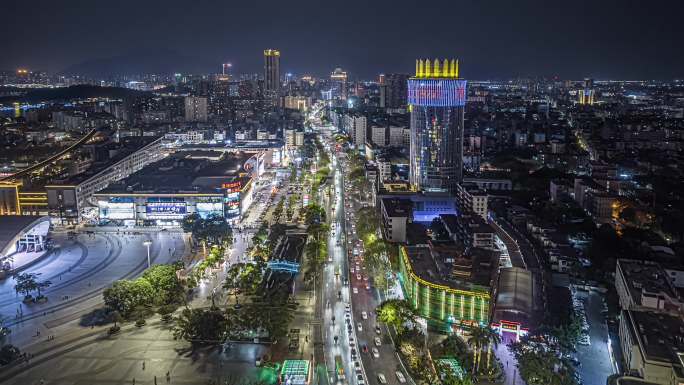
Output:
(272, 72)
(339, 79)
(436, 98)
(586, 94)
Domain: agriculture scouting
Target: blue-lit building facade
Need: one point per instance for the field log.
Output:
(436, 98)
(190, 182)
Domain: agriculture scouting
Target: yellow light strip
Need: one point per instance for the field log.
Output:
(443, 304)
(409, 268)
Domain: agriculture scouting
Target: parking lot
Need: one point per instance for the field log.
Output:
(592, 350)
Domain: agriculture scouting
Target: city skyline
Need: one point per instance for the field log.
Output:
(493, 41)
(350, 193)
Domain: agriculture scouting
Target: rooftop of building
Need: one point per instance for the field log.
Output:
(473, 222)
(445, 263)
(120, 150)
(645, 276)
(395, 207)
(178, 173)
(660, 335)
(472, 189)
(514, 299)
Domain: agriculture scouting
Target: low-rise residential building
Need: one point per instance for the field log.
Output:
(653, 346)
(471, 198)
(469, 229)
(646, 286)
(396, 214)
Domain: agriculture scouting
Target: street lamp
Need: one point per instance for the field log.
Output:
(147, 243)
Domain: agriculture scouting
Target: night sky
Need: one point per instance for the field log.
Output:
(620, 39)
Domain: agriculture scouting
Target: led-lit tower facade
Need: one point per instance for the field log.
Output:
(586, 94)
(272, 72)
(436, 98)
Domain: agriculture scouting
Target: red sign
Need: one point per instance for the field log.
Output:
(232, 187)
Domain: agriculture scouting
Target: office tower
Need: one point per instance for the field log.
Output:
(586, 94)
(195, 109)
(338, 79)
(436, 98)
(393, 90)
(271, 72)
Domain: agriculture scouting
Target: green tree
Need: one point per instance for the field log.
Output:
(539, 363)
(478, 339)
(272, 316)
(116, 317)
(243, 278)
(396, 313)
(125, 296)
(8, 354)
(190, 221)
(26, 283)
(42, 285)
(314, 214)
(165, 283)
(201, 326)
(568, 334)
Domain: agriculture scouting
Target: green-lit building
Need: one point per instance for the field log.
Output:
(447, 284)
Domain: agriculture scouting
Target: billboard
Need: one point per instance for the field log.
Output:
(165, 208)
(207, 206)
(116, 208)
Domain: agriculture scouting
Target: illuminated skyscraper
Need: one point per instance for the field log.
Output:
(339, 82)
(436, 98)
(586, 94)
(272, 72)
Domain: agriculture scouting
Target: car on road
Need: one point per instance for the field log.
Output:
(355, 290)
(359, 379)
(381, 379)
(377, 329)
(377, 341)
(400, 377)
(376, 353)
(359, 327)
(364, 315)
(357, 367)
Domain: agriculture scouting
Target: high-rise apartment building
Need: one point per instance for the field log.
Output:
(393, 90)
(436, 98)
(195, 109)
(271, 72)
(340, 88)
(356, 125)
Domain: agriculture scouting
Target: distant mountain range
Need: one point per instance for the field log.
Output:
(157, 61)
(71, 93)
